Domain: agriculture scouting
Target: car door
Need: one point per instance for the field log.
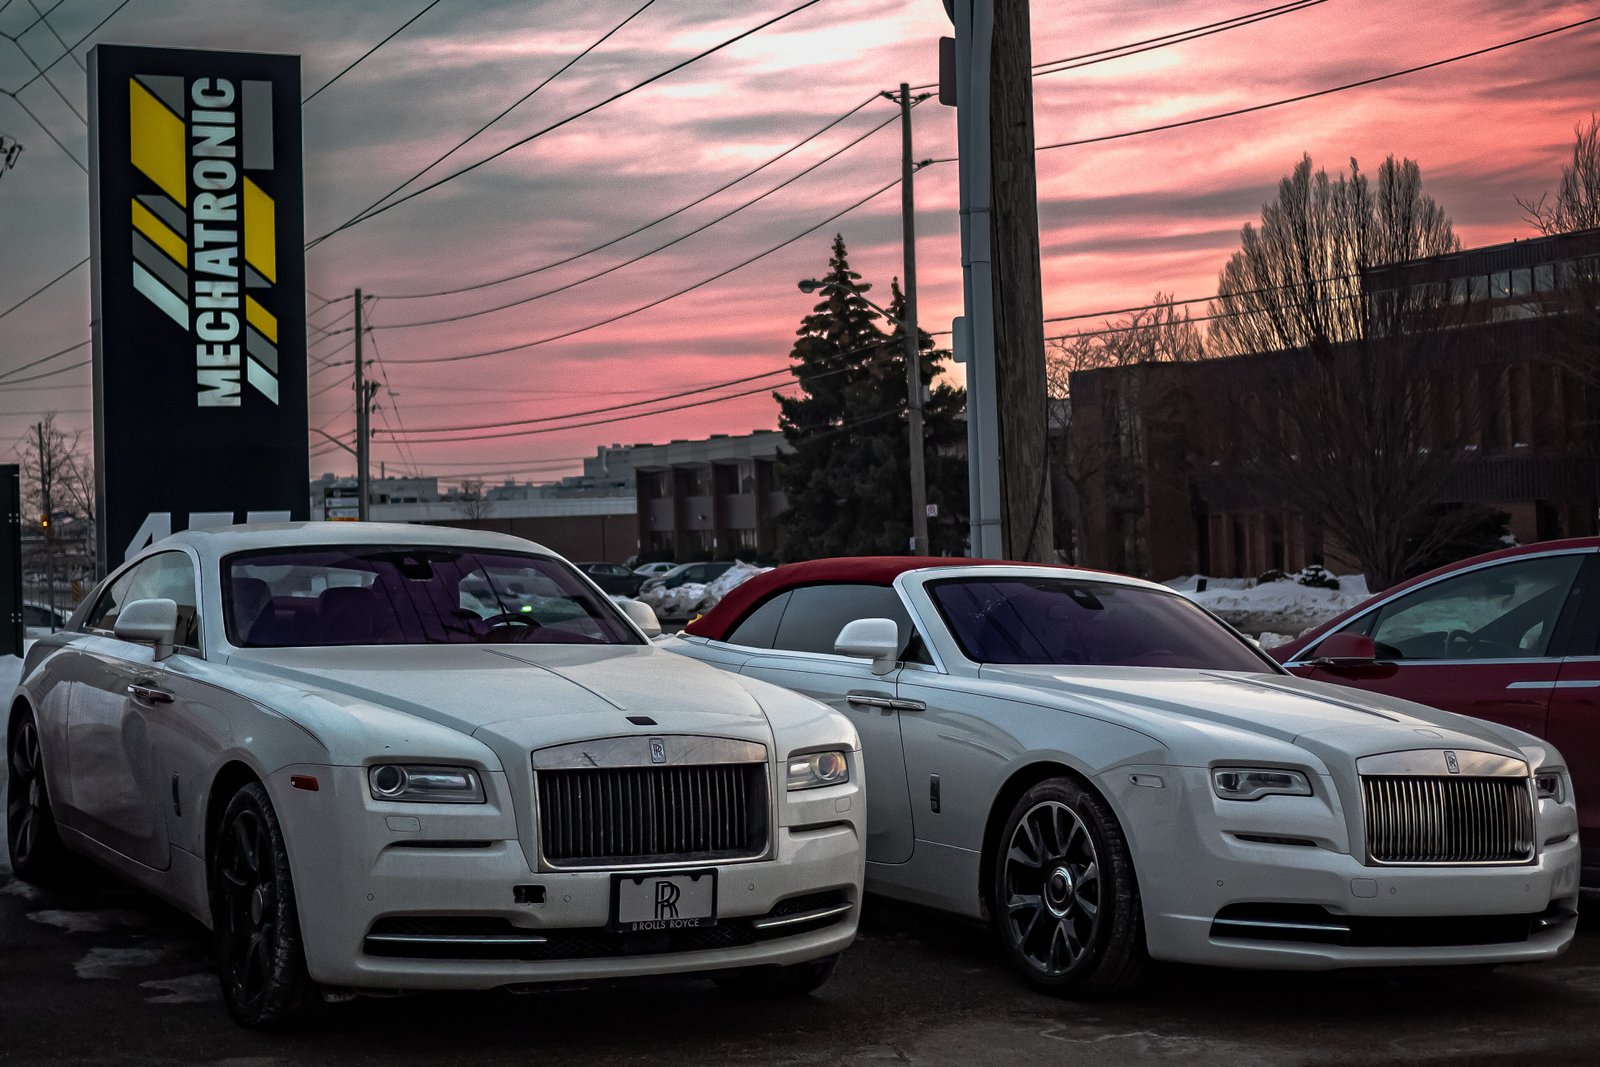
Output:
(119, 709)
(1483, 642)
(792, 645)
(1574, 717)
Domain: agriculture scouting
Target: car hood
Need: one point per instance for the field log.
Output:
(528, 696)
(1191, 711)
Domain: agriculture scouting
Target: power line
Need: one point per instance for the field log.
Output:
(37, 121)
(74, 45)
(568, 65)
(1322, 92)
(17, 41)
(659, 248)
(45, 286)
(429, 7)
(44, 17)
(654, 303)
(46, 374)
(6, 376)
(373, 212)
(1203, 299)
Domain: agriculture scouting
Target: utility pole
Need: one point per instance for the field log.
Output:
(46, 508)
(363, 410)
(1001, 335)
(912, 335)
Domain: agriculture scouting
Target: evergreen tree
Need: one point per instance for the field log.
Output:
(847, 479)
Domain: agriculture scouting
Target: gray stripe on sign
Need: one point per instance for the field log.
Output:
(158, 263)
(168, 212)
(167, 88)
(252, 280)
(256, 114)
(261, 348)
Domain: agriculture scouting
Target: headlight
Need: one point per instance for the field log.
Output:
(1549, 786)
(1253, 783)
(816, 769)
(412, 783)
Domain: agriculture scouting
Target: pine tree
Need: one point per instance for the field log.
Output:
(846, 478)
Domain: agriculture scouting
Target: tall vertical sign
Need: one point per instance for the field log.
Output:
(196, 238)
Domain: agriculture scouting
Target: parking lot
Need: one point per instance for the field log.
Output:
(103, 974)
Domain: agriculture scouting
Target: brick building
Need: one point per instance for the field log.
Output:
(1155, 444)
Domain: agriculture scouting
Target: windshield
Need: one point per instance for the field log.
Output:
(418, 595)
(1073, 622)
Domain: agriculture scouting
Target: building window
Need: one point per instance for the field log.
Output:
(694, 481)
(655, 484)
(1521, 281)
(1544, 278)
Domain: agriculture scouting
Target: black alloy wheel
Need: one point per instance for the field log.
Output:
(260, 957)
(1066, 903)
(32, 842)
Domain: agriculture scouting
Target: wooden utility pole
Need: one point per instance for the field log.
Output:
(912, 334)
(1027, 529)
(363, 434)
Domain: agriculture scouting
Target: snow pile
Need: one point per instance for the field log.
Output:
(1280, 608)
(691, 598)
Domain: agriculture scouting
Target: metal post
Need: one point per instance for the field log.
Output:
(362, 434)
(912, 336)
(974, 21)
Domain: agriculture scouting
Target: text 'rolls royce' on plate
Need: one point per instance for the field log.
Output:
(378, 757)
(1109, 773)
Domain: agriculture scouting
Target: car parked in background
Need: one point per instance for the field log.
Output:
(684, 573)
(375, 757)
(612, 578)
(653, 570)
(1108, 772)
(40, 619)
(1512, 636)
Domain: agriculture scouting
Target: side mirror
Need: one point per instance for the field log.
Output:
(1346, 650)
(149, 622)
(641, 615)
(874, 639)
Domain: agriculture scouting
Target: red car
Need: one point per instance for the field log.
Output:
(1511, 636)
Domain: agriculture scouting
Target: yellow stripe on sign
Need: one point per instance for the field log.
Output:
(260, 231)
(155, 137)
(262, 319)
(159, 232)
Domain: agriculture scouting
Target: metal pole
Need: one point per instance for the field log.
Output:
(912, 336)
(46, 502)
(362, 411)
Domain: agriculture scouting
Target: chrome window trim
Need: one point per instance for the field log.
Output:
(196, 650)
(1300, 658)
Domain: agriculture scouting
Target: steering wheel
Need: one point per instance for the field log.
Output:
(1458, 644)
(509, 618)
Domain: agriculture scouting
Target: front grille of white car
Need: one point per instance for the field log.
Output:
(1448, 820)
(605, 816)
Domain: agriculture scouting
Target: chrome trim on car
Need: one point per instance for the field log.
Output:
(1277, 924)
(458, 939)
(1437, 761)
(1587, 684)
(636, 751)
(803, 917)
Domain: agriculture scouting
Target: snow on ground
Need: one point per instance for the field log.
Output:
(1280, 610)
(692, 598)
(88, 922)
(104, 962)
(190, 989)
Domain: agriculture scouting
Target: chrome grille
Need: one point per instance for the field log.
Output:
(1448, 819)
(602, 816)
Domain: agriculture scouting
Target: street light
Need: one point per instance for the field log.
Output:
(910, 335)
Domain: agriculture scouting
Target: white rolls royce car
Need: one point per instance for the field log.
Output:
(375, 757)
(1109, 773)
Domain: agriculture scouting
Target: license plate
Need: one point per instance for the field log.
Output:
(665, 901)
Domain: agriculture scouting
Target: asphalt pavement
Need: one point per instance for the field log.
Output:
(103, 974)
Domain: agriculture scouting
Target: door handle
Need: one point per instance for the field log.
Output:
(142, 690)
(872, 700)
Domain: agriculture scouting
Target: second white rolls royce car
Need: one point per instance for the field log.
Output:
(376, 757)
(1110, 774)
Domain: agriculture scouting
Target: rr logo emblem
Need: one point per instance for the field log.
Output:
(666, 900)
(1452, 764)
(658, 750)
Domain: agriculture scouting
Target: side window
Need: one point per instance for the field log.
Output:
(1503, 612)
(167, 576)
(760, 627)
(816, 614)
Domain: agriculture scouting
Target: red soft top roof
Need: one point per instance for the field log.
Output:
(717, 623)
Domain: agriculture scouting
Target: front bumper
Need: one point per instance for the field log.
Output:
(1199, 866)
(358, 864)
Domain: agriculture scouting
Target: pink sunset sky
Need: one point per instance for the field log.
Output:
(1120, 220)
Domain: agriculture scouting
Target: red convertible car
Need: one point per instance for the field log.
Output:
(1512, 637)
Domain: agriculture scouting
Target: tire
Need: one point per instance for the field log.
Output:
(1065, 900)
(790, 980)
(260, 958)
(32, 841)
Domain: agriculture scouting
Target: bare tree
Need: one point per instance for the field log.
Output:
(1346, 414)
(1577, 201)
(58, 507)
(473, 499)
(1104, 431)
